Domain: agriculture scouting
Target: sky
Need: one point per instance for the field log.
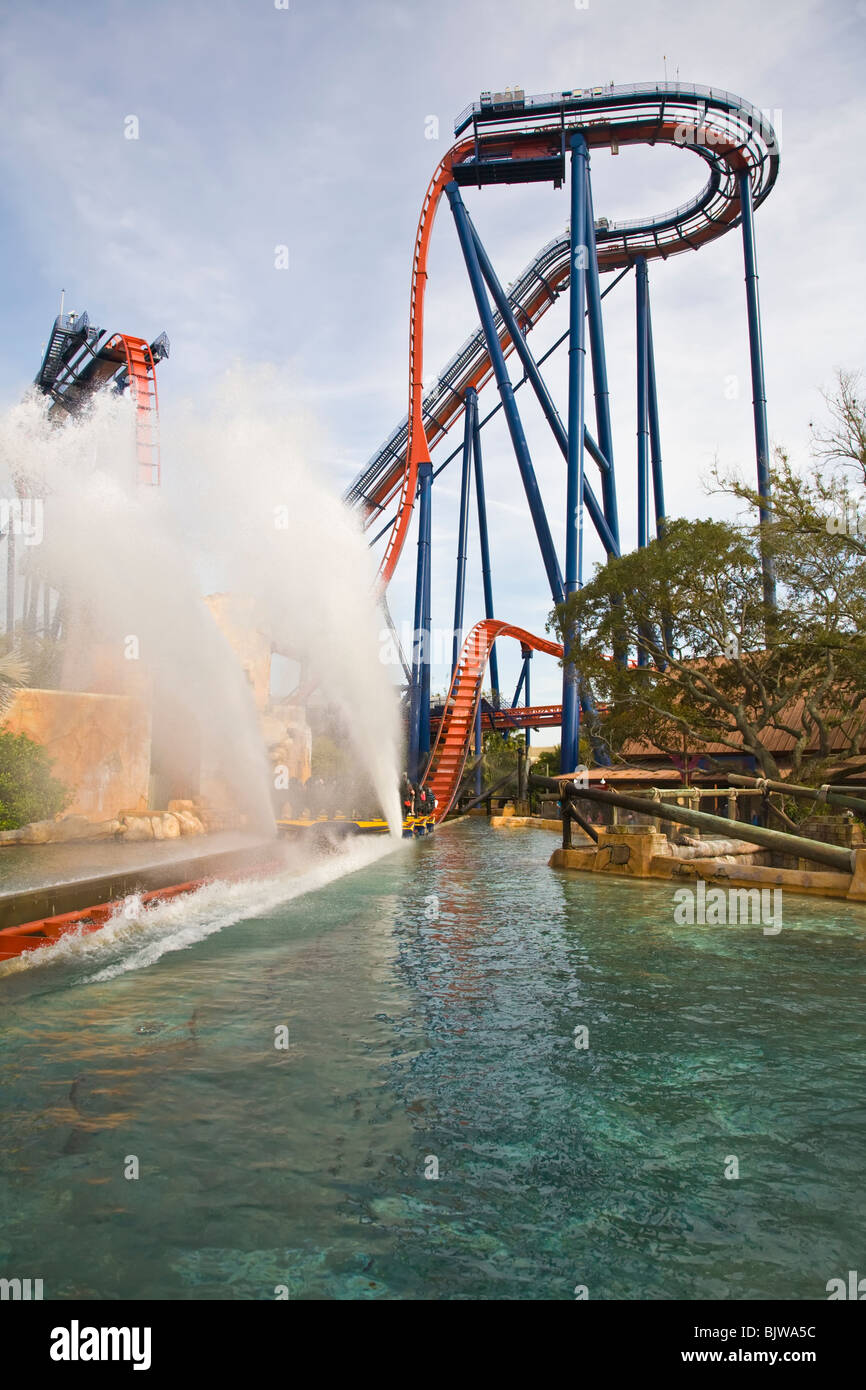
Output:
(307, 126)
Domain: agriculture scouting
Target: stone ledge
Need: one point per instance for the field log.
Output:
(663, 868)
(857, 891)
(526, 822)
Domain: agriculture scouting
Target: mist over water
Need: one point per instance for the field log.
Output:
(139, 934)
(299, 553)
(240, 513)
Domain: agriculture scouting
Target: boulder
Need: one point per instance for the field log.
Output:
(691, 847)
(137, 828)
(189, 823)
(45, 832)
(37, 833)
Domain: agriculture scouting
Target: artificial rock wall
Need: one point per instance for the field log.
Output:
(99, 746)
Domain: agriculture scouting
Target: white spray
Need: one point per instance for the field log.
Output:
(241, 513)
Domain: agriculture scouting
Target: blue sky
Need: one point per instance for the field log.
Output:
(261, 126)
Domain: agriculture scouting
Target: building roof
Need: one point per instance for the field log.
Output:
(649, 776)
(775, 740)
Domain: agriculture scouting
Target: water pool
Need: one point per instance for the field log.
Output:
(431, 999)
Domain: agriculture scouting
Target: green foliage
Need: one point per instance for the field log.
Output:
(14, 672)
(40, 659)
(546, 764)
(328, 759)
(28, 791)
(719, 666)
(499, 755)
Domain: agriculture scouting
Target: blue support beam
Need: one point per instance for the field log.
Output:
(590, 443)
(471, 413)
(419, 697)
(520, 679)
(425, 476)
(479, 744)
(608, 534)
(523, 683)
(576, 412)
(506, 393)
(484, 542)
(519, 686)
(759, 394)
(654, 428)
(642, 301)
(599, 368)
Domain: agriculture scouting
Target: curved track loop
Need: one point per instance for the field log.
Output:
(448, 755)
(728, 133)
(142, 383)
(417, 449)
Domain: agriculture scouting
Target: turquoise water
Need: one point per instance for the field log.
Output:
(431, 998)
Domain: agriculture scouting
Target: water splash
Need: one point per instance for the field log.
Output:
(240, 512)
(138, 935)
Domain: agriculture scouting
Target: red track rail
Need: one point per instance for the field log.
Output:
(519, 717)
(417, 447)
(47, 931)
(142, 384)
(448, 755)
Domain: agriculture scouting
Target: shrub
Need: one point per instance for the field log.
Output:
(28, 791)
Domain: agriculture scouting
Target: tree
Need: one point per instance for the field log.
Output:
(844, 440)
(28, 791)
(691, 605)
(13, 673)
(499, 755)
(328, 759)
(546, 764)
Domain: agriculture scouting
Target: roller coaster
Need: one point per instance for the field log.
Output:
(81, 359)
(509, 138)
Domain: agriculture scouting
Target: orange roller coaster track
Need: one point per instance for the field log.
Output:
(449, 752)
(728, 133)
(81, 360)
(141, 369)
(509, 138)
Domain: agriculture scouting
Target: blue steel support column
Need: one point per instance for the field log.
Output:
(425, 475)
(654, 429)
(576, 411)
(759, 396)
(608, 534)
(484, 541)
(520, 679)
(421, 636)
(478, 747)
(656, 445)
(641, 293)
(599, 366)
(527, 699)
(506, 393)
(471, 405)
